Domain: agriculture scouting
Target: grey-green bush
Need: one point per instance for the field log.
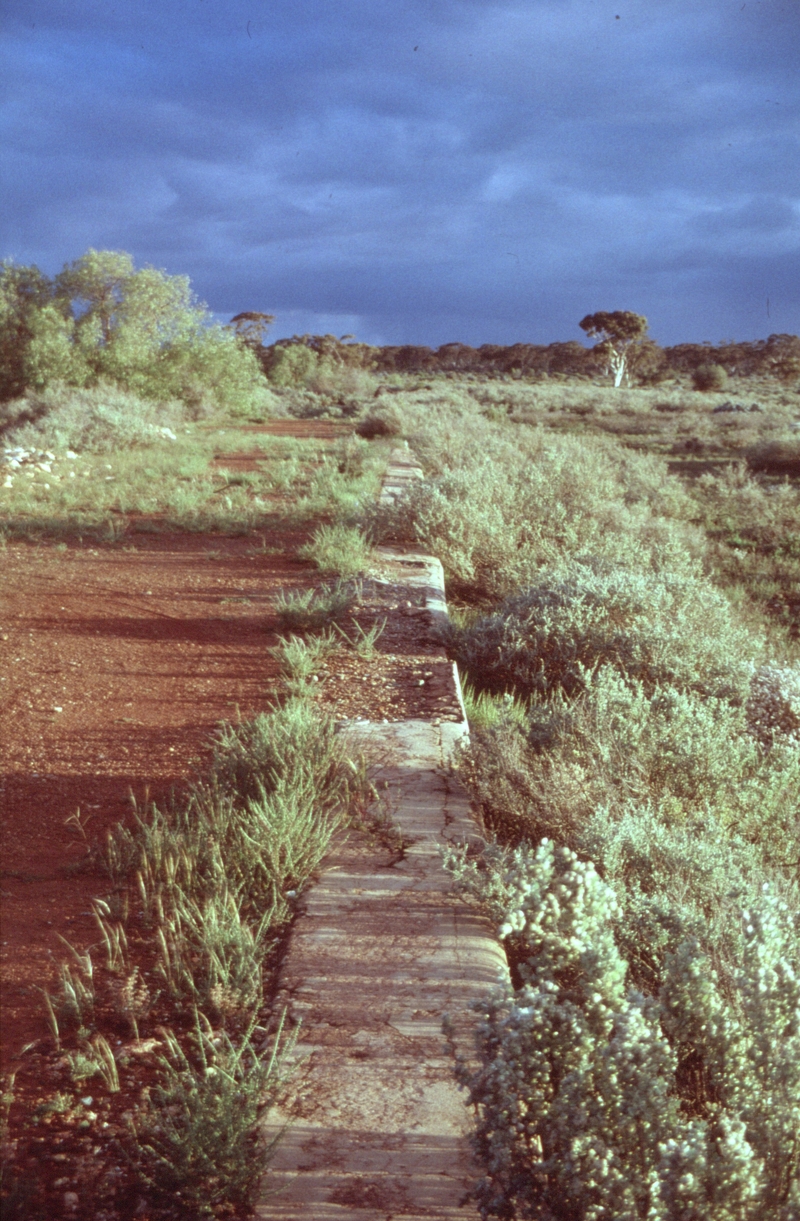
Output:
(652, 626)
(96, 419)
(512, 507)
(695, 760)
(709, 377)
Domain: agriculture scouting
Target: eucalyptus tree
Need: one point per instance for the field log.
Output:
(618, 332)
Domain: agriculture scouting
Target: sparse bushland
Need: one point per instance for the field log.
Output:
(753, 531)
(645, 1061)
(168, 475)
(509, 505)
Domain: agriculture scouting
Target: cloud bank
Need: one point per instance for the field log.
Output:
(442, 170)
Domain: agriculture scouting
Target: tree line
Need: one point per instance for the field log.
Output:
(100, 320)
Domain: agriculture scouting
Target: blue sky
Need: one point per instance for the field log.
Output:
(422, 171)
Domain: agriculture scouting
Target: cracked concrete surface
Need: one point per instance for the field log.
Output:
(376, 1128)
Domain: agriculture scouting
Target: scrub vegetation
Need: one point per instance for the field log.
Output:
(624, 566)
(628, 629)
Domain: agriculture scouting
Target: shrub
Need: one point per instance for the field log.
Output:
(381, 422)
(775, 457)
(773, 708)
(101, 320)
(294, 366)
(693, 760)
(196, 1140)
(346, 384)
(595, 1100)
(709, 377)
(655, 627)
(507, 507)
(95, 419)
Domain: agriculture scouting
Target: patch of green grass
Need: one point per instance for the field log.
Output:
(485, 711)
(311, 609)
(338, 548)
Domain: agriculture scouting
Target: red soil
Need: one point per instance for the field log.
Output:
(117, 665)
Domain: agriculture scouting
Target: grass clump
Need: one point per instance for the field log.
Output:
(299, 658)
(338, 548)
(487, 711)
(312, 609)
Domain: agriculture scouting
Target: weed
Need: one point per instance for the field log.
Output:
(93, 1058)
(196, 1141)
(364, 642)
(312, 609)
(299, 658)
(76, 999)
(338, 548)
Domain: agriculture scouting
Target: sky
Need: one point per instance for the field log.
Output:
(421, 171)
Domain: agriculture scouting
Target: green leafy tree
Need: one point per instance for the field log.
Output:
(619, 332)
(251, 327)
(95, 285)
(24, 293)
(102, 320)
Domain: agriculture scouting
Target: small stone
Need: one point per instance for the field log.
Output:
(71, 1200)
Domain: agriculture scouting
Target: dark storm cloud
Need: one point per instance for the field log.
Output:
(480, 171)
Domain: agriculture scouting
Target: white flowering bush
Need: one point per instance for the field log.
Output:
(596, 1101)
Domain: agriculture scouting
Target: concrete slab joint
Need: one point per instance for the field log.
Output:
(375, 1125)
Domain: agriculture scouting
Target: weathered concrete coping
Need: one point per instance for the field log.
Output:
(376, 1127)
(402, 469)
